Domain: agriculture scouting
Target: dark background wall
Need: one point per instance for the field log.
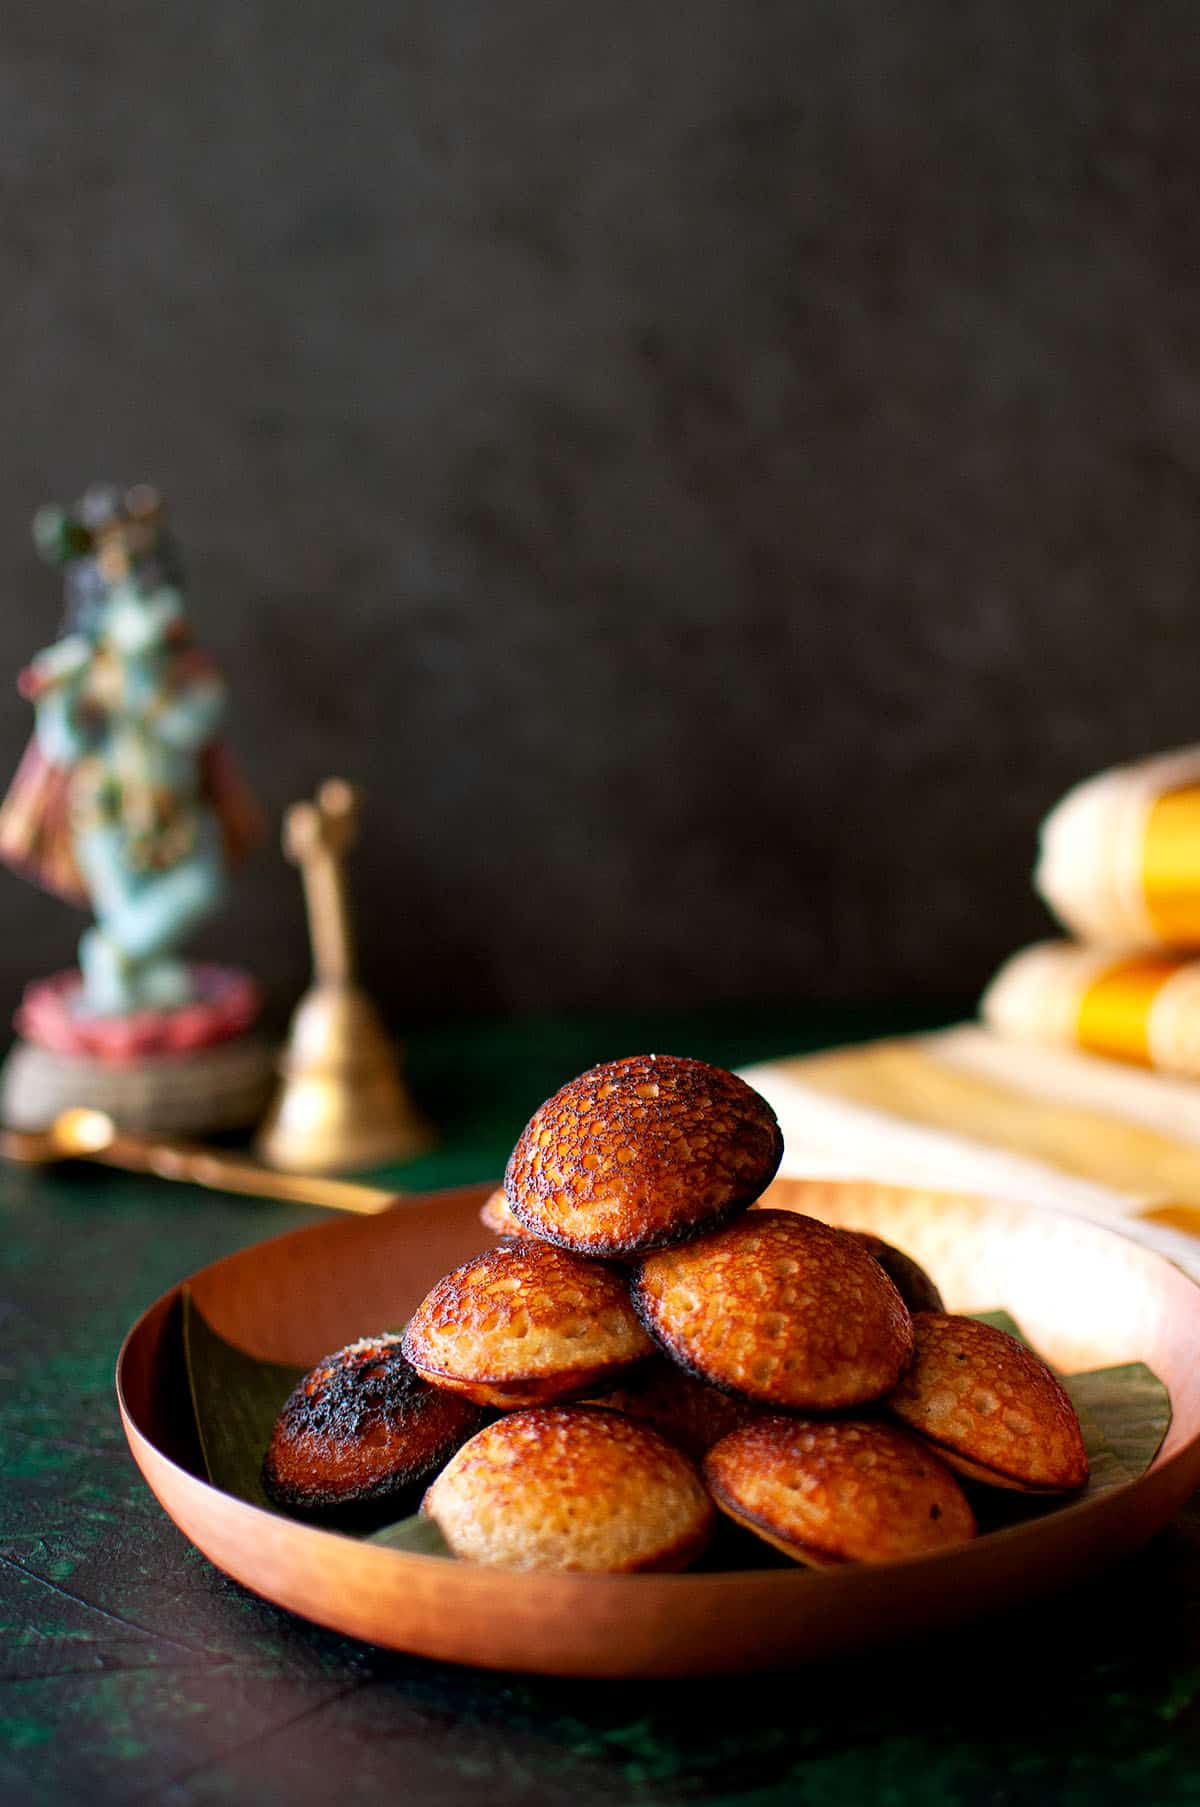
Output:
(714, 472)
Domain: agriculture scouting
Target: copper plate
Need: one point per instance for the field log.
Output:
(1085, 1296)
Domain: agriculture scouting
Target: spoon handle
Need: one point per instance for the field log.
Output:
(227, 1173)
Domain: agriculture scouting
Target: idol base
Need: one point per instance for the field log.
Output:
(202, 1093)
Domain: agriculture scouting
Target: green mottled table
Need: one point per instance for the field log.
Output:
(133, 1671)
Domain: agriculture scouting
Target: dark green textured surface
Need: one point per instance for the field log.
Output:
(131, 1670)
(236, 1401)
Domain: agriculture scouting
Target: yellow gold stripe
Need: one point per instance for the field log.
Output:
(1171, 866)
(1114, 1011)
(899, 1078)
(1175, 1217)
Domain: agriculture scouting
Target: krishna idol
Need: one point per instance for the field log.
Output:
(127, 803)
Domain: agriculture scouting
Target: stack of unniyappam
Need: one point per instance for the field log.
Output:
(640, 1346)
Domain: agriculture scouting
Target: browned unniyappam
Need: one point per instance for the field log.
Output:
(526, 1322)
(495, 1214)
(836, 1490)
(990, 1407)
(781, 1308)
(908, 1276)
(684, 1410)
(562, 1487)
(640, 1154)
(361, 1428)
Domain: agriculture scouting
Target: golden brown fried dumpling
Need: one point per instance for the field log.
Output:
(780, 1308)
(990, 1407)
(495, 1214)
(684, 1410)
(361, 1428)
(835, 1490)
(642, 1153)
(907, 1276)
(571, 1487)
(526, 1322)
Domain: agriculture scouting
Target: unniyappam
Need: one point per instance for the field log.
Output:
(835, 1490)
(990, 1407)
(562, 1487)
(642, 1153)
(526, 1322)
(780, 1308)
(908, 1276)
(361, 1428)
(684, 1410)
(495, 1214)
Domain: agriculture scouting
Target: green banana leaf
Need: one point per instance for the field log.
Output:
(1124, 1412)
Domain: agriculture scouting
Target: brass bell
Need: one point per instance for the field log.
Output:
(341, 1101)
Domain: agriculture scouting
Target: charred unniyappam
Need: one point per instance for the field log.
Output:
(640, 1154)
(990, 1407)
(362, 1428)
(780, 1308)
(526, 1322)
(907, 1276)
(571, 1487)
(686, 1411)
(833, 1490)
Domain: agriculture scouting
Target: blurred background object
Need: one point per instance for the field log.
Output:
(717, 474)
(341, 1100)
(127, 804)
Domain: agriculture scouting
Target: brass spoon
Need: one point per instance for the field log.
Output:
(87, 1135)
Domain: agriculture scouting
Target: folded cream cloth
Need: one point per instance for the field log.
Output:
(964, 1111)
(1120, 855)
(1143, 1008)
